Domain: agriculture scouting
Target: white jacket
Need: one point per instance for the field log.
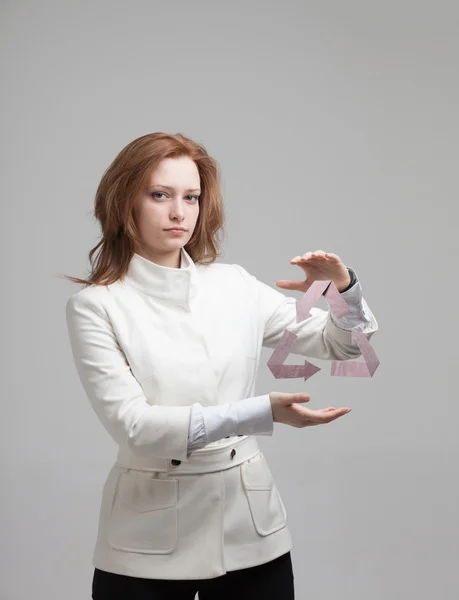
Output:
(146, 349)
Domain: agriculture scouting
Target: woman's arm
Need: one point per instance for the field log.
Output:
(322, 335)
(114, 393)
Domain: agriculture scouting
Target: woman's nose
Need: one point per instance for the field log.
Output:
(177, 211)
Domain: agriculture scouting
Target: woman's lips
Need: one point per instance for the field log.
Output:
(175, 231)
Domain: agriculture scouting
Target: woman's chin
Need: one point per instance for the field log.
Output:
(177, 243)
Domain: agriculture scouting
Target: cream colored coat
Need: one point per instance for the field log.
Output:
(146, 349)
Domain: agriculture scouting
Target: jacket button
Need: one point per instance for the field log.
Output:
(233, 453)
(175, 462)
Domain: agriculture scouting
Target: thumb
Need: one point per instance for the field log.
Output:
(288, 284)
(298, 397)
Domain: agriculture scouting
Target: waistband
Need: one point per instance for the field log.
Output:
(218, 459)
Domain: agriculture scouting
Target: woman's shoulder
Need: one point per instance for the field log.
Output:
(91, 295)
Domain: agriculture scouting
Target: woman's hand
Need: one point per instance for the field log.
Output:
(286, 409)
(318, 266)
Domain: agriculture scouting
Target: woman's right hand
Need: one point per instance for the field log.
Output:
(287, 409)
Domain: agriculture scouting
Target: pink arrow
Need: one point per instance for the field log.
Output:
(357, 369)
(279, 356)
(329, 290)
(292, 371)
(336, 301)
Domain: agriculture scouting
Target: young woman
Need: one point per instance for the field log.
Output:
(167, 343)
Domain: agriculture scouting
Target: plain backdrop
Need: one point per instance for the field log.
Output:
(336, 127)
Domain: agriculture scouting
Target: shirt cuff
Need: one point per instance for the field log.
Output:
(196, 432)
(359, 315)
(251, 416)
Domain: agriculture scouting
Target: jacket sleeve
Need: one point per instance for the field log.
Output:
(319, 335)
(114, 392)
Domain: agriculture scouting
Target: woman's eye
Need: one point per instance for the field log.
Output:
(161, 195)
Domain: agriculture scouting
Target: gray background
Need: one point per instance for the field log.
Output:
(336, 126)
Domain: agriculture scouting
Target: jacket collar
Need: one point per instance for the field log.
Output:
(174, 284)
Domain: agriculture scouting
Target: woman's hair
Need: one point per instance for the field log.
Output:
(119, 189)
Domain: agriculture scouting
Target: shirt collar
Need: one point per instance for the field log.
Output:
(174, 284)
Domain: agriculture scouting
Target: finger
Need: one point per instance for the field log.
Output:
(300, 397)
(289, 284)
(287, 399)
(318, 254)
(301, 259)
(319, 413)
(320, 416)
(297, 397)
(309, 259)
(335, 414)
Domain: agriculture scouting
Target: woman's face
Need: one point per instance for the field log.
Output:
(170, 199)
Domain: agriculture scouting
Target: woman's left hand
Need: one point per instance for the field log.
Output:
(318, 265)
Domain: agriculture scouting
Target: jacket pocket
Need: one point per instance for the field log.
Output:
(266, 506)
(143, 518)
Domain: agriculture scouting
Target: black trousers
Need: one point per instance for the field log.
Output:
(270, 581)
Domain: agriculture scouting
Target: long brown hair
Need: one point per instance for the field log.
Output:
(117, 194)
